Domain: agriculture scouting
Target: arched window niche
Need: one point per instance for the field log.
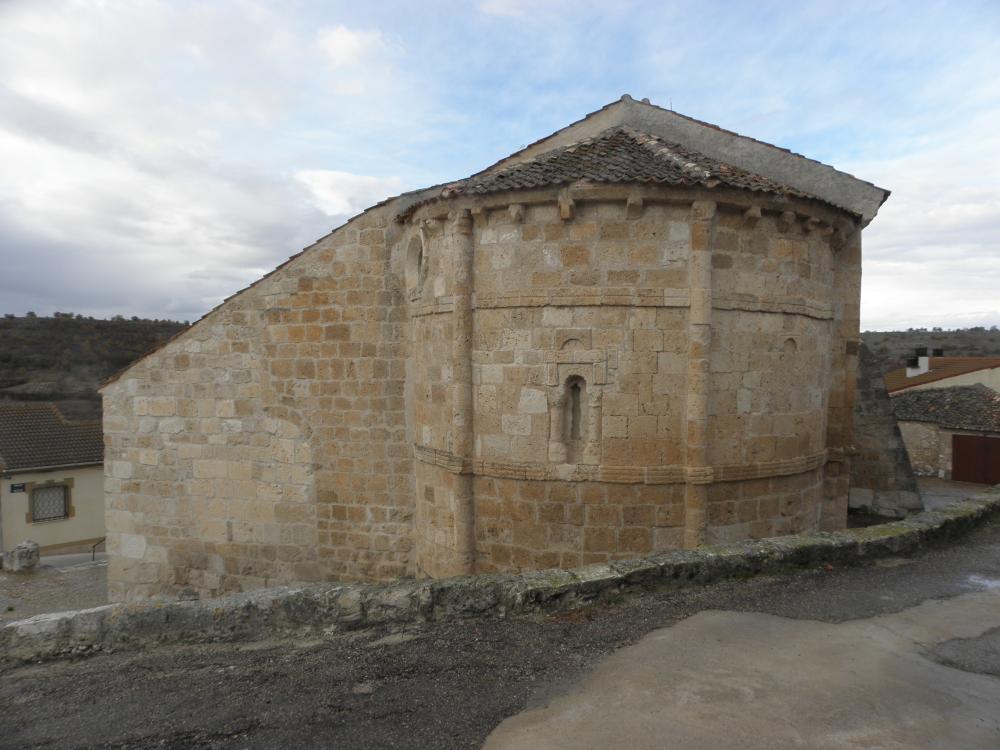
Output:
(574, 427)
(575, 388)
(416, 266)
(575, 418)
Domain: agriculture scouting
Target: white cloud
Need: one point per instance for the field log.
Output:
(138, 143)
(342, 193)
(344, 47)
(932, 255)
(175, 149)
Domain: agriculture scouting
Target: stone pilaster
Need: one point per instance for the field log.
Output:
(696, 457)
(462, 409)
(843, 373)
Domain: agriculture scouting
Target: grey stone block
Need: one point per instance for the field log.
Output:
(23, 558)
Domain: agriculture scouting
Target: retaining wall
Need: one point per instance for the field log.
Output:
(328, 608)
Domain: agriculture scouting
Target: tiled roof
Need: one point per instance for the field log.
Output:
(962, 407)
(36, 436)
(624, 112)
(619, 154)
(940, 368)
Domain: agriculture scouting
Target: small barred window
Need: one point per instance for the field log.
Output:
(48, 503)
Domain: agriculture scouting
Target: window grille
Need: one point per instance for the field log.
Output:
(48, 503)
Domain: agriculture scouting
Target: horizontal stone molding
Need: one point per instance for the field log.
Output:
(327, 608)
(432, 308)
(445, 459)
(635, 298)
(588, 298)
(788, 467)
(785, 305)
(674, 474)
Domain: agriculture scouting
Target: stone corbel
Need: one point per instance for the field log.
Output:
(751, 216)
(430, 227)
(461, 221)
(567, 206)
(786, 221)
(633, 207)
(838, 240)
(516, 212)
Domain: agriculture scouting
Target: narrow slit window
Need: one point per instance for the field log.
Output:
(575, 413)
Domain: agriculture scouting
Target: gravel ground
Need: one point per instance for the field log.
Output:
(441, 685)
(52, 589)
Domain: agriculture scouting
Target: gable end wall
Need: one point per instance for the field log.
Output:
(266, 445)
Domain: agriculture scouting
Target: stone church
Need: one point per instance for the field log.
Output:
(637, 334)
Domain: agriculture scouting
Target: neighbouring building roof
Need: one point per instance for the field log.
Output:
(37, 436)
(621, 154)
(963, 407)
(941, 368)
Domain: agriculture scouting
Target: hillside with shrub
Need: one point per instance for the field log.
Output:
(65, 358)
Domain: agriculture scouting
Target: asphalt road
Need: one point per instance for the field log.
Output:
(445, 685)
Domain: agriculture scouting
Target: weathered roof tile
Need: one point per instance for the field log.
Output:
(37, 436)
(619, 154)
(964, 407)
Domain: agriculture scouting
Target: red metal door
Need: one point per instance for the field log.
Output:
(993, 461)
(975, 458)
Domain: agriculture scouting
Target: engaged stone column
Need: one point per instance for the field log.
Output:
(592, 448)
(557, 426)
(696, 459)
(462, 398)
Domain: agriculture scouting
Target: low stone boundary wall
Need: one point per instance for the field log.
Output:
(328, 608)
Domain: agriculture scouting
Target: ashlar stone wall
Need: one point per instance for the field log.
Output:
(452, 385)
(650, 370)
(267, 444)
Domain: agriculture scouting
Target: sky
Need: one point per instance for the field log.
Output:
(158, 155)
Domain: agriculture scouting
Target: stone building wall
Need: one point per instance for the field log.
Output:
(599, 291)
(575, 377)
(267, 444)
(882, 479)
(637, 334)
(926, 448)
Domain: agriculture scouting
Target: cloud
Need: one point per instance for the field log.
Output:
(343, 193)
(140, 167)
(175, 150)
(344, 47)
(932, 255)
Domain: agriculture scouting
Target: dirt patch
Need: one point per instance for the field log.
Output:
(51, 589)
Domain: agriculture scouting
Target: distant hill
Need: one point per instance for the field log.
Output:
(65, 358)
(893, 348)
